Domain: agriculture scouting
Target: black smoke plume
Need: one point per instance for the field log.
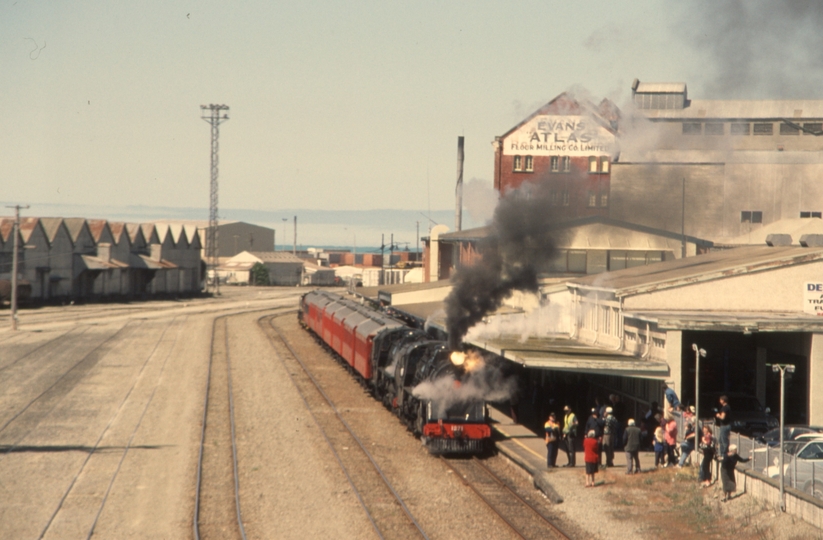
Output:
(519, 246)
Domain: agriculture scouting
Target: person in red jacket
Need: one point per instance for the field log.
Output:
(591, 455)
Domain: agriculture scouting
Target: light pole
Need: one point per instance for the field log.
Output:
(14, 258)
(285, 219)
(783, 369)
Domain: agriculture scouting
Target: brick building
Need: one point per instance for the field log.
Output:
(567, 146)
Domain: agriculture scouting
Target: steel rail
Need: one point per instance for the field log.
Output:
(350, 430)
(55, 383)
(204, 423)
(500, 483)
(133, 433)
(100, 438)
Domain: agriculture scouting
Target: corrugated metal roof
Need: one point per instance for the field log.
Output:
(709, 157)
(75, 227)
(564, 354)
(730, 321)
(703, 109)
(661, 88)
(96, 228)
(707, 267)
(27, 226)
(117, 228)
(6, 227)
(134, 229)
(277, 256)
(95, 263)
(50, 227)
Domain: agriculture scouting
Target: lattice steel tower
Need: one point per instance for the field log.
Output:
(214, 115)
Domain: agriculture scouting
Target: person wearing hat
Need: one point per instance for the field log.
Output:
(591, 455)
(569, 435)
(730, 461)
(552, 429)
(610, 428)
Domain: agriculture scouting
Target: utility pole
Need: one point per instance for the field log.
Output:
(214, 115)
(14, 258)
(783, 369)
(294, 245)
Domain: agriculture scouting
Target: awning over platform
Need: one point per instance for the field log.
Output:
(564, 354)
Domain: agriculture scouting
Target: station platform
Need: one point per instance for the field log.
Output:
(527, 449)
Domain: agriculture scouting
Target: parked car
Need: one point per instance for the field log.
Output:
(790, 433)
(802, 465)
(748, 416)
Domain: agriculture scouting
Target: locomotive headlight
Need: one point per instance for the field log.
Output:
(457, 358)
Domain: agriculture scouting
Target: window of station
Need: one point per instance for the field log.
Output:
(566, 163)
(620, 259)
(751, 216)
(529, 164)
(763, 128)
(812, 128)
(555, 164)
(565, 197)
(604, 164)
(592, 199)
(818, 215)
(740, 128)
(604, 200)
(715, 128)
(553, 197)
(789, 129)
(518, 163)
(692, 128)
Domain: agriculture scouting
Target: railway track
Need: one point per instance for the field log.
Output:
(217, 511)
(47, 530)
(385, 508)
(523, 518)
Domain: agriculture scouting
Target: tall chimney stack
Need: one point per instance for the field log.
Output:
(458, 191)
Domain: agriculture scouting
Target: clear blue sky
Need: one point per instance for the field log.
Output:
(333, 104)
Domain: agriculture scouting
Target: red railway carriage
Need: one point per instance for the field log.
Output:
(392, 359)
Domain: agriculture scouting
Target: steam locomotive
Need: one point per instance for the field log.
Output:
(413, 375)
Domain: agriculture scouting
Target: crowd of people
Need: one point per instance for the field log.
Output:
(674, 443)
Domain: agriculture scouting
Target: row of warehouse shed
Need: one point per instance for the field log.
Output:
(79, 259)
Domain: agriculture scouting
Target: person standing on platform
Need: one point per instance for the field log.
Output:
(552, 429)
(707, 449)
(687, 446)
(610, 429)
(569, 435)
(631, 445)
(591, 455)
(670, 439)
(730, 461)
(724, 420)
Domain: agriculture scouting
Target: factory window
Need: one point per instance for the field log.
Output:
(555, 163)
(814, 128)
(740, 128)
(553, 197)
(604, 164)
(565, 197)
(529, 163)
(715, 128)
(751, 216)
(789, 129)
(592, 164)
(592, 199)
(763, 128)
(604, 200)
(692, 128)
(567, 164)
(518, 163)
(811, 215)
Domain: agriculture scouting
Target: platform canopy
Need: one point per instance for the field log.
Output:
(564, 354)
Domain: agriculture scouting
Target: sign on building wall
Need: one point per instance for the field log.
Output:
(560, 135)
(813, 298)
